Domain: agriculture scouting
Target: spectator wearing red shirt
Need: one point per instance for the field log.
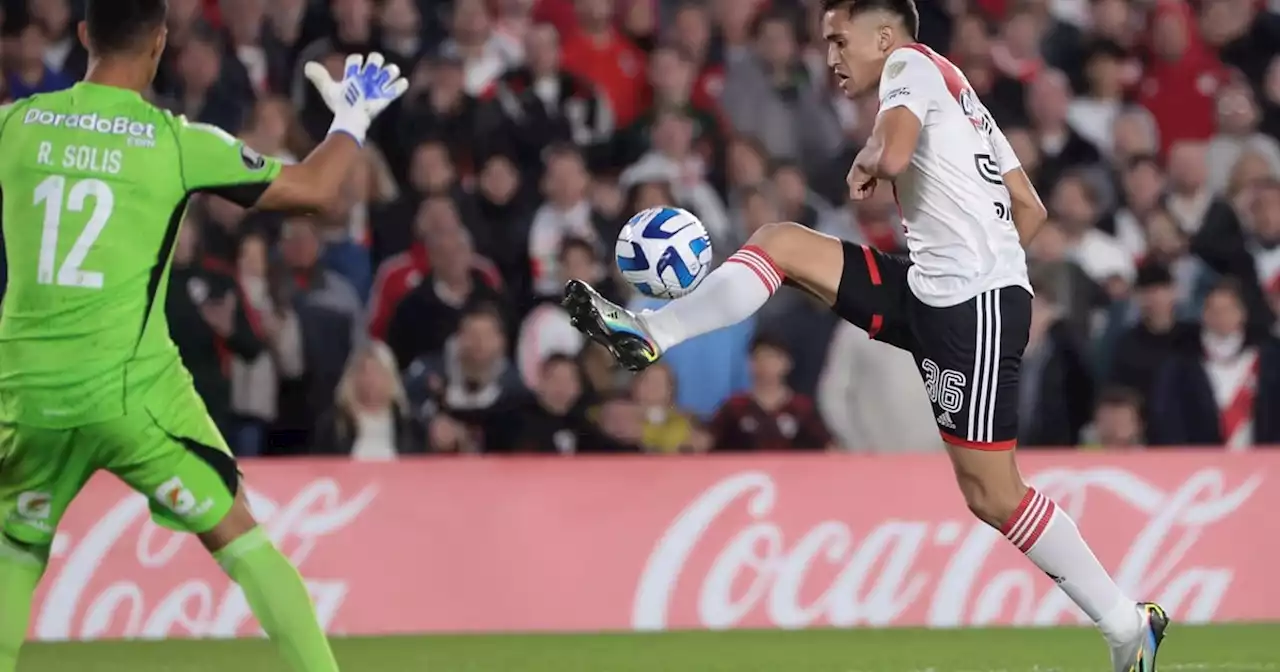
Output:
(597, 52)
(1182, 76)
(400, 274)
(770, 416)
(558, 13)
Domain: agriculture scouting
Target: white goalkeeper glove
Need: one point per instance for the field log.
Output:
(368, 86)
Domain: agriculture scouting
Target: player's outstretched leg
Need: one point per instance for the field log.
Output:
(273, 588)
(1033, 523)
(731, 293)
(21, 567)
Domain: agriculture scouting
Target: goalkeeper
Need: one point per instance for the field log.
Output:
(95, 183)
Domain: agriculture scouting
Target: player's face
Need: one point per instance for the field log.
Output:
(857, 47)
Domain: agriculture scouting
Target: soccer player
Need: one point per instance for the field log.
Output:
(961, 303)
(95, 181)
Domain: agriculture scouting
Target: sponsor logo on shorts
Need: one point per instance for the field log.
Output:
(135, 130)
(176, 497)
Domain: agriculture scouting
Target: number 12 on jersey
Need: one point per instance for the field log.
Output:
(51, 193)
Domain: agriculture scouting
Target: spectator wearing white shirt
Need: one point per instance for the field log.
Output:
(1238, 119)
(674, 159)
(566, 214)
(370, 418)
(485, 54)
(1103, 258)
(1093, 115)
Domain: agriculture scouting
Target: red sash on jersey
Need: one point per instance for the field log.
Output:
(1239, 410)
(951, 75)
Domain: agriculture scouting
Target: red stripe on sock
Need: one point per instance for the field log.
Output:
(760, 266)
(1017, 513)
(768, 260)
(872, 267)
(1029, 518)
(1042, 523)
(763, 266)
(755, 268)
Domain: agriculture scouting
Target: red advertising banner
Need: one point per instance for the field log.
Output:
(656, 543)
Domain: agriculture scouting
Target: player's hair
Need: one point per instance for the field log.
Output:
(904, 9)
(121, 25)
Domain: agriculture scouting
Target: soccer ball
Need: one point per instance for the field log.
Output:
(664, 252)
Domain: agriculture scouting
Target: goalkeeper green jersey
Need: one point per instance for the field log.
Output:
(95, 182)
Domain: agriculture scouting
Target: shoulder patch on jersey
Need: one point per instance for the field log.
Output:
(252, 160)
(895, 69)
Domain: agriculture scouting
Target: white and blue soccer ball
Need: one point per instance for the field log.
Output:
(664, 252)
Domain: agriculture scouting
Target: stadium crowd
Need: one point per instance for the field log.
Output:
(421, 315)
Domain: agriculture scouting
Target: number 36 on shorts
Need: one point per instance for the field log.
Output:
(945, 387)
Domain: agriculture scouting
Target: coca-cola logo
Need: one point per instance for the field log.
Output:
(78, 605)
(944, 566)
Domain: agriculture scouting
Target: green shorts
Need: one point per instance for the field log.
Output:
(173, 454)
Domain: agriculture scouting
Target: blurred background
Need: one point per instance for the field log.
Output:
(421, 315)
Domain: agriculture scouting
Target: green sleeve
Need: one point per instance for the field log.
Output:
(215, 162)
(4, 115)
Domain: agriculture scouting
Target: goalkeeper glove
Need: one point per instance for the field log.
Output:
(368, 86)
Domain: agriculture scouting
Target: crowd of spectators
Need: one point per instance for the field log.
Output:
(421, 315)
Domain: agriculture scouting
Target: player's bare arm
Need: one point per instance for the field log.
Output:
(315, 184)
(1029, 213)
(887, 154)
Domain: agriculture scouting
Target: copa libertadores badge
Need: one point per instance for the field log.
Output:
(252, 160)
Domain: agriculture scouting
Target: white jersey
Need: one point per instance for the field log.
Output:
(953, 200)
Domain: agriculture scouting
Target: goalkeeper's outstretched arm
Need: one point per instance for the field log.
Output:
(367, 87)
(315, 183)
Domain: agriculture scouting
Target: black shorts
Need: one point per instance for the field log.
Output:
(969, 354)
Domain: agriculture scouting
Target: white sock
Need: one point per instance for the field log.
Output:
(1048, 536)
(731, 294)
